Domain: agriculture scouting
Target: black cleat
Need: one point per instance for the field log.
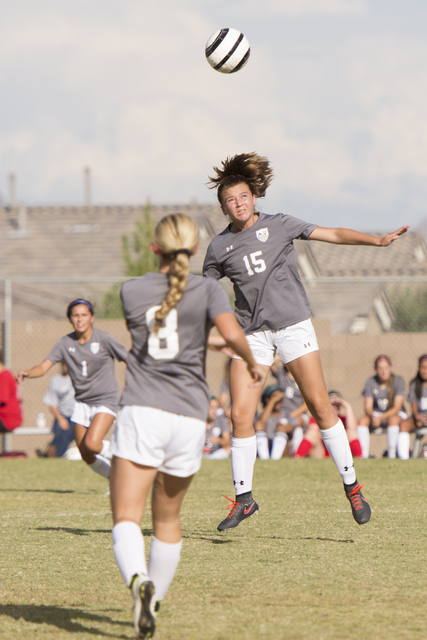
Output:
(238, 513)
(144, 620)
(359, 506)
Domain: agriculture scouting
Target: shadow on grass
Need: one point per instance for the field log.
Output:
(76, 532)
(350, 541)
(61, 617)
(201, 536)
(40, 490)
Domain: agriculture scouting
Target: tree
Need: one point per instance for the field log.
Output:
(410, 309)
(138, 258)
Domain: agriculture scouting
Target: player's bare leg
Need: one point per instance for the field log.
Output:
(308, 374)
(244, 402)
(89, 442)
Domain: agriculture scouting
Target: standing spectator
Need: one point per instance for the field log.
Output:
(10, 399)
(384, 396)
(218, 433)
(417, 396)
(60, 399)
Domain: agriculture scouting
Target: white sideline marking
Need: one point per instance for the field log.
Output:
(60, 515)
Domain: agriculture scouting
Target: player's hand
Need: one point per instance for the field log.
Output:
(387, 240)
(376, 421)
(217, 343)
(21, 375)
(257, 373)
(63, 423)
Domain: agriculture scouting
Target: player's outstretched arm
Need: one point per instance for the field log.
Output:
(349, 236)
(35, 372)
(232, 333)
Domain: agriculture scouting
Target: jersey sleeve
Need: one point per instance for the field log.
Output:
(218, 301)
(115, 349)
(297, 229)
(399, 386)
(367, 391)
(211, 266)
(57, 353)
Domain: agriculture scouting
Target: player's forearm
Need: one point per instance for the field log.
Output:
(349, 236)
(35, 372)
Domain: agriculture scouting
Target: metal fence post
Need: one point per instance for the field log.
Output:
(7, 345)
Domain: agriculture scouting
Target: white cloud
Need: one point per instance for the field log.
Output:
(306, 7)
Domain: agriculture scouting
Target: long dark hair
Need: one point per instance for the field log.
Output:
(390, 383)
(250, 168)
(418, 379)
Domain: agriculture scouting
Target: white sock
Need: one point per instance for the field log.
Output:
(392, 437)
(365, 440)
(243, 456)
(280, 441)
(336, 442)
(128, 546)
(162, 565)
(297, 438)
(262, 445)
(101, 466)
(403, 444)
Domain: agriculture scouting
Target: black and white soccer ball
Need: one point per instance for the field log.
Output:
(227, 50)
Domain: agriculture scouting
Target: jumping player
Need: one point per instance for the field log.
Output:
(89, 354)
(160, 433)
(256, 252)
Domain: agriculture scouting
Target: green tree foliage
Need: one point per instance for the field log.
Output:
(410, 309)
(138, 258)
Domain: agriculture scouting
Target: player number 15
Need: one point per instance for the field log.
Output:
(258, 263)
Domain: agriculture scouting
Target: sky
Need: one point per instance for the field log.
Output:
(334, 94)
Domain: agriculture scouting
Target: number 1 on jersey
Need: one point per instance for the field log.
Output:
(84, 368)
(259, 264)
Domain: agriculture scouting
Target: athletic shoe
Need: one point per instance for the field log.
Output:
(359, 506)
(238, 513)
(144, 620)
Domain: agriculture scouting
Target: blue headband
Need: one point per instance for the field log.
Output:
(79, 301)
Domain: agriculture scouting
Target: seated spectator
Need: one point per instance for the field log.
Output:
(59, 397)
(384, 395)
(218, 433)
(276, 422)
(293, 402)
(417, 396)
(10, 399)
(312, 444)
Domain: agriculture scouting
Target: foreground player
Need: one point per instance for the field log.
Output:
(160, 433)
(256, 252)
(89, 355)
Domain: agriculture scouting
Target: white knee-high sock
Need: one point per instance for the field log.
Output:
(243, 456)
(262, 445)
(128, 546)
(392, 437)
(162, 564)
(101, 466)
(403, 444)
(336, 442)
(297, 438)
(364, 438)
(280, 441)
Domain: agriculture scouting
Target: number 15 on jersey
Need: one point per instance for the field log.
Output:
(258, 263)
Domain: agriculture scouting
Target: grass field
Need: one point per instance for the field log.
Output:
(302, 570)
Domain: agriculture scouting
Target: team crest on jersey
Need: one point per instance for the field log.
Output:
(71, 349)
(262, 234)
(94, 347)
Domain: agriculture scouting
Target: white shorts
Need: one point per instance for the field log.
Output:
(289, 344)
(155, 438)
(83, 413)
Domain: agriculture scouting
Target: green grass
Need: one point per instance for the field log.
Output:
(302, 570)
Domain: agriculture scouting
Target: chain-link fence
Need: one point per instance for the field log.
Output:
(355, 320)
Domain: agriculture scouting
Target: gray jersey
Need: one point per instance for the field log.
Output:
(412, 397)
(60, 394)
(167, 371)
(293, 398)
(261, 264)
(373, 389)
(91, 367)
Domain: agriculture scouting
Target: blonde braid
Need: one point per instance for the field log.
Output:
(176, 236)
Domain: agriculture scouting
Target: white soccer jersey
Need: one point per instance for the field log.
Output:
(260, 262)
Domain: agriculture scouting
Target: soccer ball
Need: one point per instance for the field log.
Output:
(227, 50)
